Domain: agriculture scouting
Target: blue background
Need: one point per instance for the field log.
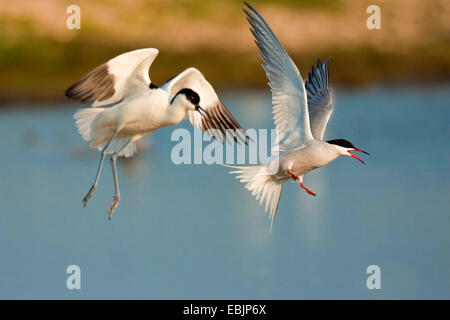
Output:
(194, 232)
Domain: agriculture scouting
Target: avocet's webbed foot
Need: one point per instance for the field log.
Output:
(116, 199)
(89, 195)
(113, 205)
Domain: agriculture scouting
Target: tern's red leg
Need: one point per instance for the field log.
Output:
(292, 175)
(301, 183)
(307, 190)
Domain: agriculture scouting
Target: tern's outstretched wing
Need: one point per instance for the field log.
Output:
(217, 119)
(290, 108)
(320, 102)
(116, 79)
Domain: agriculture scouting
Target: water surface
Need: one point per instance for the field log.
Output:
(188, 232)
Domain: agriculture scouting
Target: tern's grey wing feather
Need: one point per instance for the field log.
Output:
(290, 109)
(320, 102)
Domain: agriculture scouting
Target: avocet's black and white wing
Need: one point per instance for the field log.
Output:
(212, 116)
(289, 98)
(320, 102)
(116, 79)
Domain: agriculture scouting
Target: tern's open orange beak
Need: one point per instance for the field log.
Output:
(360, 150)
(356, 157)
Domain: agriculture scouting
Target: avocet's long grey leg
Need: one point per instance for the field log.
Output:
(116, 199)
(99, 170)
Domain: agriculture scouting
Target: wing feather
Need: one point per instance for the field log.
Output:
(217, 121)
(290, 108)
(116, 79)
(320, 102)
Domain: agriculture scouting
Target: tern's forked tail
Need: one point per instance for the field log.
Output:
(263, 186)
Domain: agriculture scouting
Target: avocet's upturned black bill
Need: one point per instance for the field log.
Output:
(301, 112)
(127, 106)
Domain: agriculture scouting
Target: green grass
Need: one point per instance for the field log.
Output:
(39, 68)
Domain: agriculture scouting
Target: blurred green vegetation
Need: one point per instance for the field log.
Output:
(40, 57)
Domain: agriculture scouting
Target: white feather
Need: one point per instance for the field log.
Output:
(130, 71)
(223, 120)
(116, 145)
(263, 186)
(85, 120)
(289, 98)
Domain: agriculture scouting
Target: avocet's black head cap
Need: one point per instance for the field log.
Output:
(190, 94)
(342, 142)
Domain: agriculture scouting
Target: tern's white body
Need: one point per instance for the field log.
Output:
(301, 111)
(300, 160)
(306, 157)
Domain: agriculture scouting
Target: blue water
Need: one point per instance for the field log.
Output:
(193, 231)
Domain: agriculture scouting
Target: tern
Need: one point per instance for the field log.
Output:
(127, 106)
(301, 111)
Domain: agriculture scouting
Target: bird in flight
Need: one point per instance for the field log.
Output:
(127, 106)
(301, 111)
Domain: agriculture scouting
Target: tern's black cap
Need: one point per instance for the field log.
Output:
(342, 142)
